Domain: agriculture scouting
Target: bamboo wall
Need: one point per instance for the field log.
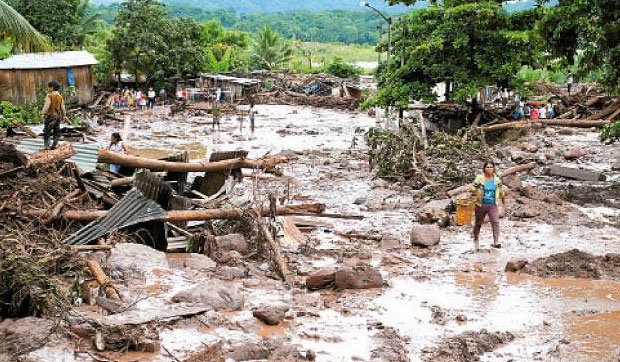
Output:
(20, 85)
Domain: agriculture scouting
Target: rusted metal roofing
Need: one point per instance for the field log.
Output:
(48, 60)
(86, 154)
(132, 209)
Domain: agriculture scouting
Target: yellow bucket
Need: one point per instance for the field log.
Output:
(464, 212)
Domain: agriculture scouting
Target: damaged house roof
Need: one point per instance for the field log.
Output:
(48, 60)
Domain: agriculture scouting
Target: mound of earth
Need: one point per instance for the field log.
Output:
(467, 346)
(576, 264)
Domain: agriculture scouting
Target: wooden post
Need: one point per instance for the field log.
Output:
(102, 279)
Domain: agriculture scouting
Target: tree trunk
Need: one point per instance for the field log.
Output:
(107, 156)
(191, 215)
(47, 157)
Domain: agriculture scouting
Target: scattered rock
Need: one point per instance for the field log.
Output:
(528, 191)
(379, 183)
(574, 154)
(425, 235)
(435, 212)
(529, 147)
(362, 276)
(321, 279)
(461, 318)
(513, 182)
(272, 315)
(215, 294)
(515, 266)
(616, 166)
(438, 315)
(128, 258)
(231, 273)
(193, 261)
(552, 199)
(393, 347)
(467, 346)
(231, 242)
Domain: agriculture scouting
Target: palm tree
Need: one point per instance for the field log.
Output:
(269, 51)
(23, 35)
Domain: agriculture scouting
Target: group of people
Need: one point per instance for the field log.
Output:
(136, 99)
(533, 111)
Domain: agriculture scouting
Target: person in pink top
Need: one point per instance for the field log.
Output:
(534, 114)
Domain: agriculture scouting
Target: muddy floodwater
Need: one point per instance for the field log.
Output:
(429, 294)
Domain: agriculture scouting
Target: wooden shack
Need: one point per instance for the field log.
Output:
(22, 75)
(233, 88)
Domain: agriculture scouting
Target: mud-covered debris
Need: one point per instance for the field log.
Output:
(467, 346)
(393, 347)
(577, 264)
(435, 212)
(515, 266)
(425, 235)
(439, 315)
(213, 294)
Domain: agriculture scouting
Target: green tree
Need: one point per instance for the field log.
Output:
(589, 27)
(269, 51)
(22, 34)
(58, 19)
(467, 44)
(224, 48)
(152, 45)
(341, 69)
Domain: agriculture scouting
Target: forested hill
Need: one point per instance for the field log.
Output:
(272, 6)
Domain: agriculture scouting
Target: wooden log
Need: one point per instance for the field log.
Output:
(125, 181)
(192, 215)
(580, 123)
(613, 115)
(506, 172)
(90, 247)
(107, 156)
(102, 279)
(26, 130)
(592, 101)
(275, 250)
(47, 157)
(610, 109)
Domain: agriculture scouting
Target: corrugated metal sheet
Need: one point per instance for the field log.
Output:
(212, 182)
(226, 78)
(85, 158)
(132, 209)
(49, 60)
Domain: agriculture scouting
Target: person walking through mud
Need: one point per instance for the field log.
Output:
(252, 116)
(53, 113)
(487, 190)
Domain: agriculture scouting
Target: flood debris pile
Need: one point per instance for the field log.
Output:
(467, 346)
(402, 156)
(571, 264)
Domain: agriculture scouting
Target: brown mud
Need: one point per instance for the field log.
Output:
(577, 264)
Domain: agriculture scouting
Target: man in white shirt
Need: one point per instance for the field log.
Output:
(151, 96)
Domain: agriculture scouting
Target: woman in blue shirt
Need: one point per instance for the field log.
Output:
(487, 189)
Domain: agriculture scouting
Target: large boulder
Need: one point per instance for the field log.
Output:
(271, 315)
(128, 258)
(359, 277)
(193, 261)
(574, 154)
(215, 294)
(425, 235)
(435, 212)
(321, 279)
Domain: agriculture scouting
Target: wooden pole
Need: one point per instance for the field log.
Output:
(275, 249)
(102, 279)
(47, 157)
(107, 156)
(191, 215)
(580, 123)
(506, 172)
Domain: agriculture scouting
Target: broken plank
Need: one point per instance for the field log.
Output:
(575, 173)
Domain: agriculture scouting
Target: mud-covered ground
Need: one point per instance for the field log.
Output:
(443, 303)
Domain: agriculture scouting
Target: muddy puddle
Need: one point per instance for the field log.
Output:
(429, 294)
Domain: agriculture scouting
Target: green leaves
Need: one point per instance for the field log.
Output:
(269, 51)
(24, 36)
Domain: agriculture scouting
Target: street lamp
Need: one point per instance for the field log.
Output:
(388, 20)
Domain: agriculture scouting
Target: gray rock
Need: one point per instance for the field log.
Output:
(616, 166)
(130, 258)
(435, 212)
(231, 272)
(200, 262)
(214, 294)
(425, 235)
(271, 315)
(574, 154)
(321, 279)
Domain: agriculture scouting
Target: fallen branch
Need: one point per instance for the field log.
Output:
(102, 279)
(506, 172)
(125, 181)
(107, 156)
(275, 249)
(580, 123)
(25, 129)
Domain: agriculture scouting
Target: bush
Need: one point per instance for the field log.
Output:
(339, 68)
(610, 133)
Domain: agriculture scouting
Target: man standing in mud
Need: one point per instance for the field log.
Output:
(53, 113)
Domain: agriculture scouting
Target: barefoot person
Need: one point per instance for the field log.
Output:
(487, 189)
